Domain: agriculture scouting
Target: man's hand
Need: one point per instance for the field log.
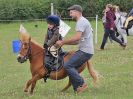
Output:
(59, 43)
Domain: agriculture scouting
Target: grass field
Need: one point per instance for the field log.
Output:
(114, 65)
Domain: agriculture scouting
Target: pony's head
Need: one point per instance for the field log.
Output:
(25, 45)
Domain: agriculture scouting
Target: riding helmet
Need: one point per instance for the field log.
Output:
(53, 19)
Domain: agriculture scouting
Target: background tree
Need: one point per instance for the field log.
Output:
(31, 9)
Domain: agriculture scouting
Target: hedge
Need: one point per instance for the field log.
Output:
(34, 9)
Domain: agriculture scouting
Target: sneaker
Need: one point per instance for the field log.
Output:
(100, 49)
(80, 89)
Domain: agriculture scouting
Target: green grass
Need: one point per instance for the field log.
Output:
(114, 64)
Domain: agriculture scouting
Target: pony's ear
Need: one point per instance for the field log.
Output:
(22, 29)
(24, 36)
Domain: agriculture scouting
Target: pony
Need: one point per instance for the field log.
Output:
(32, 51)
(120, 19)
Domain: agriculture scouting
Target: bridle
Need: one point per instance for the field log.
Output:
(28, 52)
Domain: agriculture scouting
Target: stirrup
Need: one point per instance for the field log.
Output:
(46, 77)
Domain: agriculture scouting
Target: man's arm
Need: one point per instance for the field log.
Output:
(74, 43)
(70, 41)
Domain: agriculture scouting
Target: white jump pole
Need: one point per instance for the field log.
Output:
(52, 13)
(96, 29)
(52, 9)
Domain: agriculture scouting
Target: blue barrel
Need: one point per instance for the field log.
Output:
(16, 46)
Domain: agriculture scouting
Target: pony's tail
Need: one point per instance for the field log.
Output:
(94, 74)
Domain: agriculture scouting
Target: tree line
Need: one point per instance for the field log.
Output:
(39, 9)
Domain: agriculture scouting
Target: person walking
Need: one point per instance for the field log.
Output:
(109, 27)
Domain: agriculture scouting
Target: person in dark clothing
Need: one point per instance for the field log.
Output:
(104, 22)
(52, 51)
(109, 27)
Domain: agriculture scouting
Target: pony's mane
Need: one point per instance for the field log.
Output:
(33, 41)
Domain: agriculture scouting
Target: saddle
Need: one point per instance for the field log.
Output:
(56, 62)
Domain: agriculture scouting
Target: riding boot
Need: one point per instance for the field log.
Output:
(48, 74)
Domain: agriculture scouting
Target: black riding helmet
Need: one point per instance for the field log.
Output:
(53, 19)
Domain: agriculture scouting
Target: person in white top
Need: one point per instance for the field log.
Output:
(84, 35)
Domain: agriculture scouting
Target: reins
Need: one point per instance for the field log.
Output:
(29, 51)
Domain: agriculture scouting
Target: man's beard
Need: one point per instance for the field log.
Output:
(74, 18)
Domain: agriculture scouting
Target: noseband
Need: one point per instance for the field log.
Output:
(28, 53)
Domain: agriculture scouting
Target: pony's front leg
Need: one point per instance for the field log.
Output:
(32, 87)
(27, 85)
(33, 82)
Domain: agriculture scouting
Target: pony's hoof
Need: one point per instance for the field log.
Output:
(25, 90)
(63, 90)
(95, 84)
(31, 93)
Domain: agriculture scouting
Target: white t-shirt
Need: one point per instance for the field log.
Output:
(86, 41)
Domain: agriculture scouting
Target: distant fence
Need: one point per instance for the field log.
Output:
(68, 19)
